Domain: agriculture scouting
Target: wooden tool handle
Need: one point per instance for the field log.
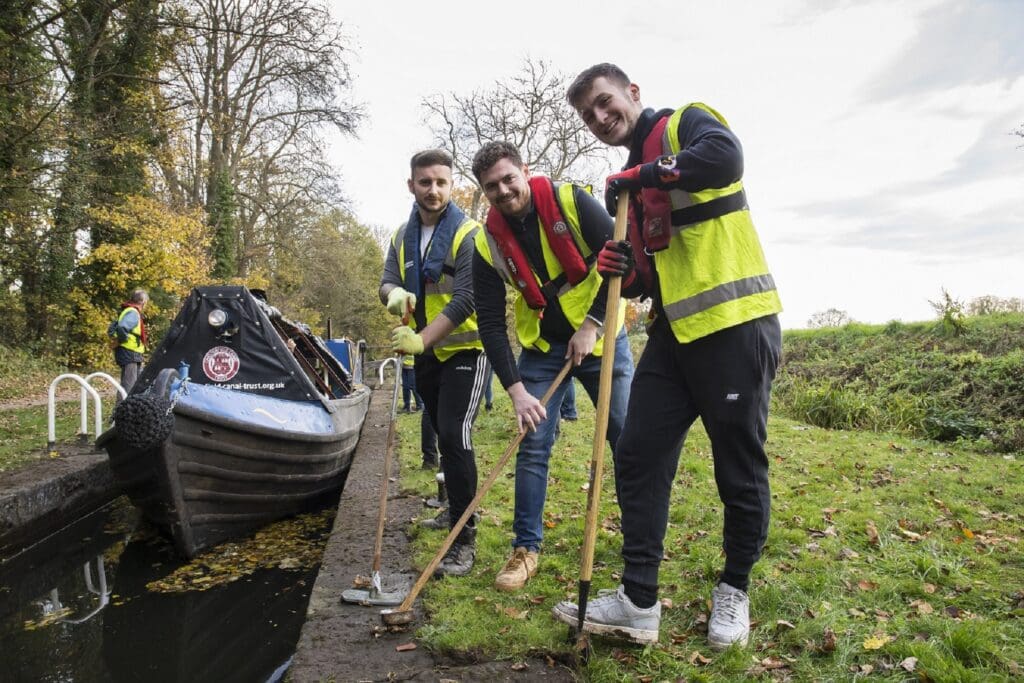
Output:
(611, 324)
(473, 504)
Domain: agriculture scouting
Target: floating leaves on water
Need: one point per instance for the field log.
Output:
(295, 543)
(48, 619)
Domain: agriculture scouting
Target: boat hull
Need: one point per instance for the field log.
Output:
(221, 475)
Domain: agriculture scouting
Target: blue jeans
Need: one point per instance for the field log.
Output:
(567, 408)
(537, 370)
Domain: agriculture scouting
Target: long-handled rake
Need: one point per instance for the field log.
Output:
(404, 614)
(376, 595)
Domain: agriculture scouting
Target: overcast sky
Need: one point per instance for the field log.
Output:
(880, 160)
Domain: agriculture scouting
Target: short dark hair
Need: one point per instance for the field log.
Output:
(585, 80)
(493, 152)
(429, 157)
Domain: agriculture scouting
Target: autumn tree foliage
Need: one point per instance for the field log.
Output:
(162, 250)
(162, 144)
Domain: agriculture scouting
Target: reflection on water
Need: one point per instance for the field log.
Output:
(76, 608)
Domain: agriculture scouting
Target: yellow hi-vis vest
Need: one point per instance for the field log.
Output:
(134, 340)
(713, 275)
(438, 294)
(575, 301)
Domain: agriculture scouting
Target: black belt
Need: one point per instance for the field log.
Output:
(719, 206)
(551, 288)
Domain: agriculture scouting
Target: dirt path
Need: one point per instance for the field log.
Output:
(38, 400)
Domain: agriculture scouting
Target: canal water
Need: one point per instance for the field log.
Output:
(76, 608)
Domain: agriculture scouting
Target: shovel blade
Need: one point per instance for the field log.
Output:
(373, 598)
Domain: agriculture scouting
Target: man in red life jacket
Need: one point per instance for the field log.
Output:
(713, 344)
(541, 238)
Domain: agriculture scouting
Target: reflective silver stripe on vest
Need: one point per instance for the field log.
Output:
(497, 260)
(460, 338)
(729, 291)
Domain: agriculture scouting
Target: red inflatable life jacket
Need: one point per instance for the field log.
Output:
(559, 236)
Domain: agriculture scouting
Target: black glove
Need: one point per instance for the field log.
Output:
(660, 174)
(616, 259)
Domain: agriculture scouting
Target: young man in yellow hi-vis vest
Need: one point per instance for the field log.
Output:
(428, 274)
(128, 335)
(713, 347)
(541, 238)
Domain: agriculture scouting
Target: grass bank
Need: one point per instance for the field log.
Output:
(962, 382)
(24, 381)
(887, 555)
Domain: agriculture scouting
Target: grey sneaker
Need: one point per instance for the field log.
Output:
(441, 521)
(730, 617)
(458, 561)
(613, 614)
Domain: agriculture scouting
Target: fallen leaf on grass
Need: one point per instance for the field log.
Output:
(912, 536)
(872, 532)
(828, 641)
(877, 641)
(697, 659)
(848, 554)
(623, 657)
(929, 588)
(537, 600)
(515, 613)
(766, 664)
(666, 603)
(782, 623)
(866, 585)
(922, 607)
(909, 663)
(405, 647)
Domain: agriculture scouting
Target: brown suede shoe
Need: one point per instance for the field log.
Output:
(518, 570)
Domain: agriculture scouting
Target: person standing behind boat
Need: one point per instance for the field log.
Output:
(128, 336)
(428, 271)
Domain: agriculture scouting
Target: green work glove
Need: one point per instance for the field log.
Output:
(401, 302)
(405, 340)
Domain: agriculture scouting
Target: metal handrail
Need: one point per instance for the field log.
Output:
(393, 360)
(103, 593)
(51, 417)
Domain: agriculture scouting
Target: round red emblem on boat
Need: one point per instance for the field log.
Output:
(221, 363)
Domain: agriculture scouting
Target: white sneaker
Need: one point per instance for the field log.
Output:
(613, 614)
(730, 617)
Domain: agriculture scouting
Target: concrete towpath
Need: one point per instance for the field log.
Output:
(343, 642)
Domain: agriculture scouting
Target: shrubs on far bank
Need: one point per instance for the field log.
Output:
(921, 379)
(24, 373)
